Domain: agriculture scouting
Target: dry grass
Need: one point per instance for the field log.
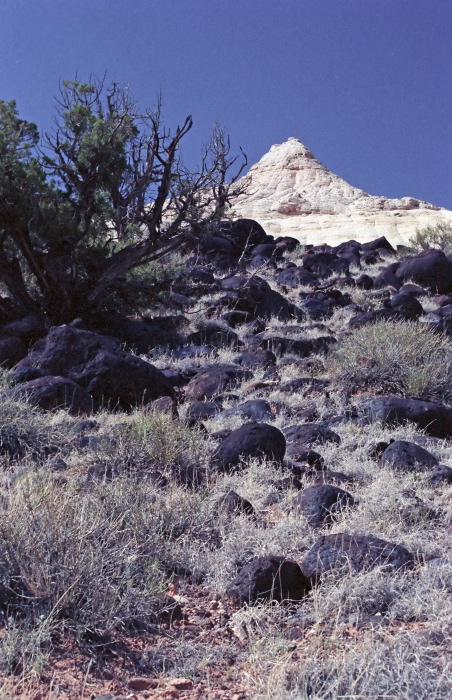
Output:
(84, 552)
(397, 357)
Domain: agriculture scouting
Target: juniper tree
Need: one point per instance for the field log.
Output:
(100, 197)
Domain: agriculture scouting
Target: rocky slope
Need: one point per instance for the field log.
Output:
(285, 436)
(291, 193)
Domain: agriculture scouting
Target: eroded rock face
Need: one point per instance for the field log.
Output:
(291, 193)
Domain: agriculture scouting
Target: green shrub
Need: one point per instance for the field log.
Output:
(398, 357)
(434, 236)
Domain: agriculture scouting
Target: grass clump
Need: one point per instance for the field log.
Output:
(396, 357)
(434, 236)
(25, 430)
(88, 558)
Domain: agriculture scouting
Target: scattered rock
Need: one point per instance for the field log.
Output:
(51, 393)
(98, 364)
(407, 456)
(12, 350)
(441, 475)
(434, 418)
(269, 578)
(352, 554)
(251, 440)
(212, 381)
(235, 504)
(310, 434)
(255, 409)
(320, 504)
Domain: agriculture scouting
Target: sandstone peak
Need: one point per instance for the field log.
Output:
(291, 193)
(291, 151)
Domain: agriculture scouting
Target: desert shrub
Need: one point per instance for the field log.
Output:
(26, 430)
(153, 440)
(433, 236)
(396, 357)
(86, 557)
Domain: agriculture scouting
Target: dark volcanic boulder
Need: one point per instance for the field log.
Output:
(213, 381)
(269, 578)
(98, 364)
(434, 418)
(28, 329)
(441, 475)
(325, 264)
(407, 456)
(235, 504)
(122, 379)
(406, 306)
(296, 277)
(12, 350)
(431, 269)
(352, 554)
(200, 410)
(250, 440)
(381, 243)
(319, 504)
(50, 393)
(255, 409)
(310, 434)
(388, 277)
(216, 335)
(256, 359)
(243, 233)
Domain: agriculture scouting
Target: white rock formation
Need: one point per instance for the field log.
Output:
(291, 193)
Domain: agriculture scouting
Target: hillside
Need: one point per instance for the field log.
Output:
(246, 496)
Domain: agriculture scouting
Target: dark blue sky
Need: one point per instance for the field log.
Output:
(365, 84)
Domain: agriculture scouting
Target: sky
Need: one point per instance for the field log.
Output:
(364, 84)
